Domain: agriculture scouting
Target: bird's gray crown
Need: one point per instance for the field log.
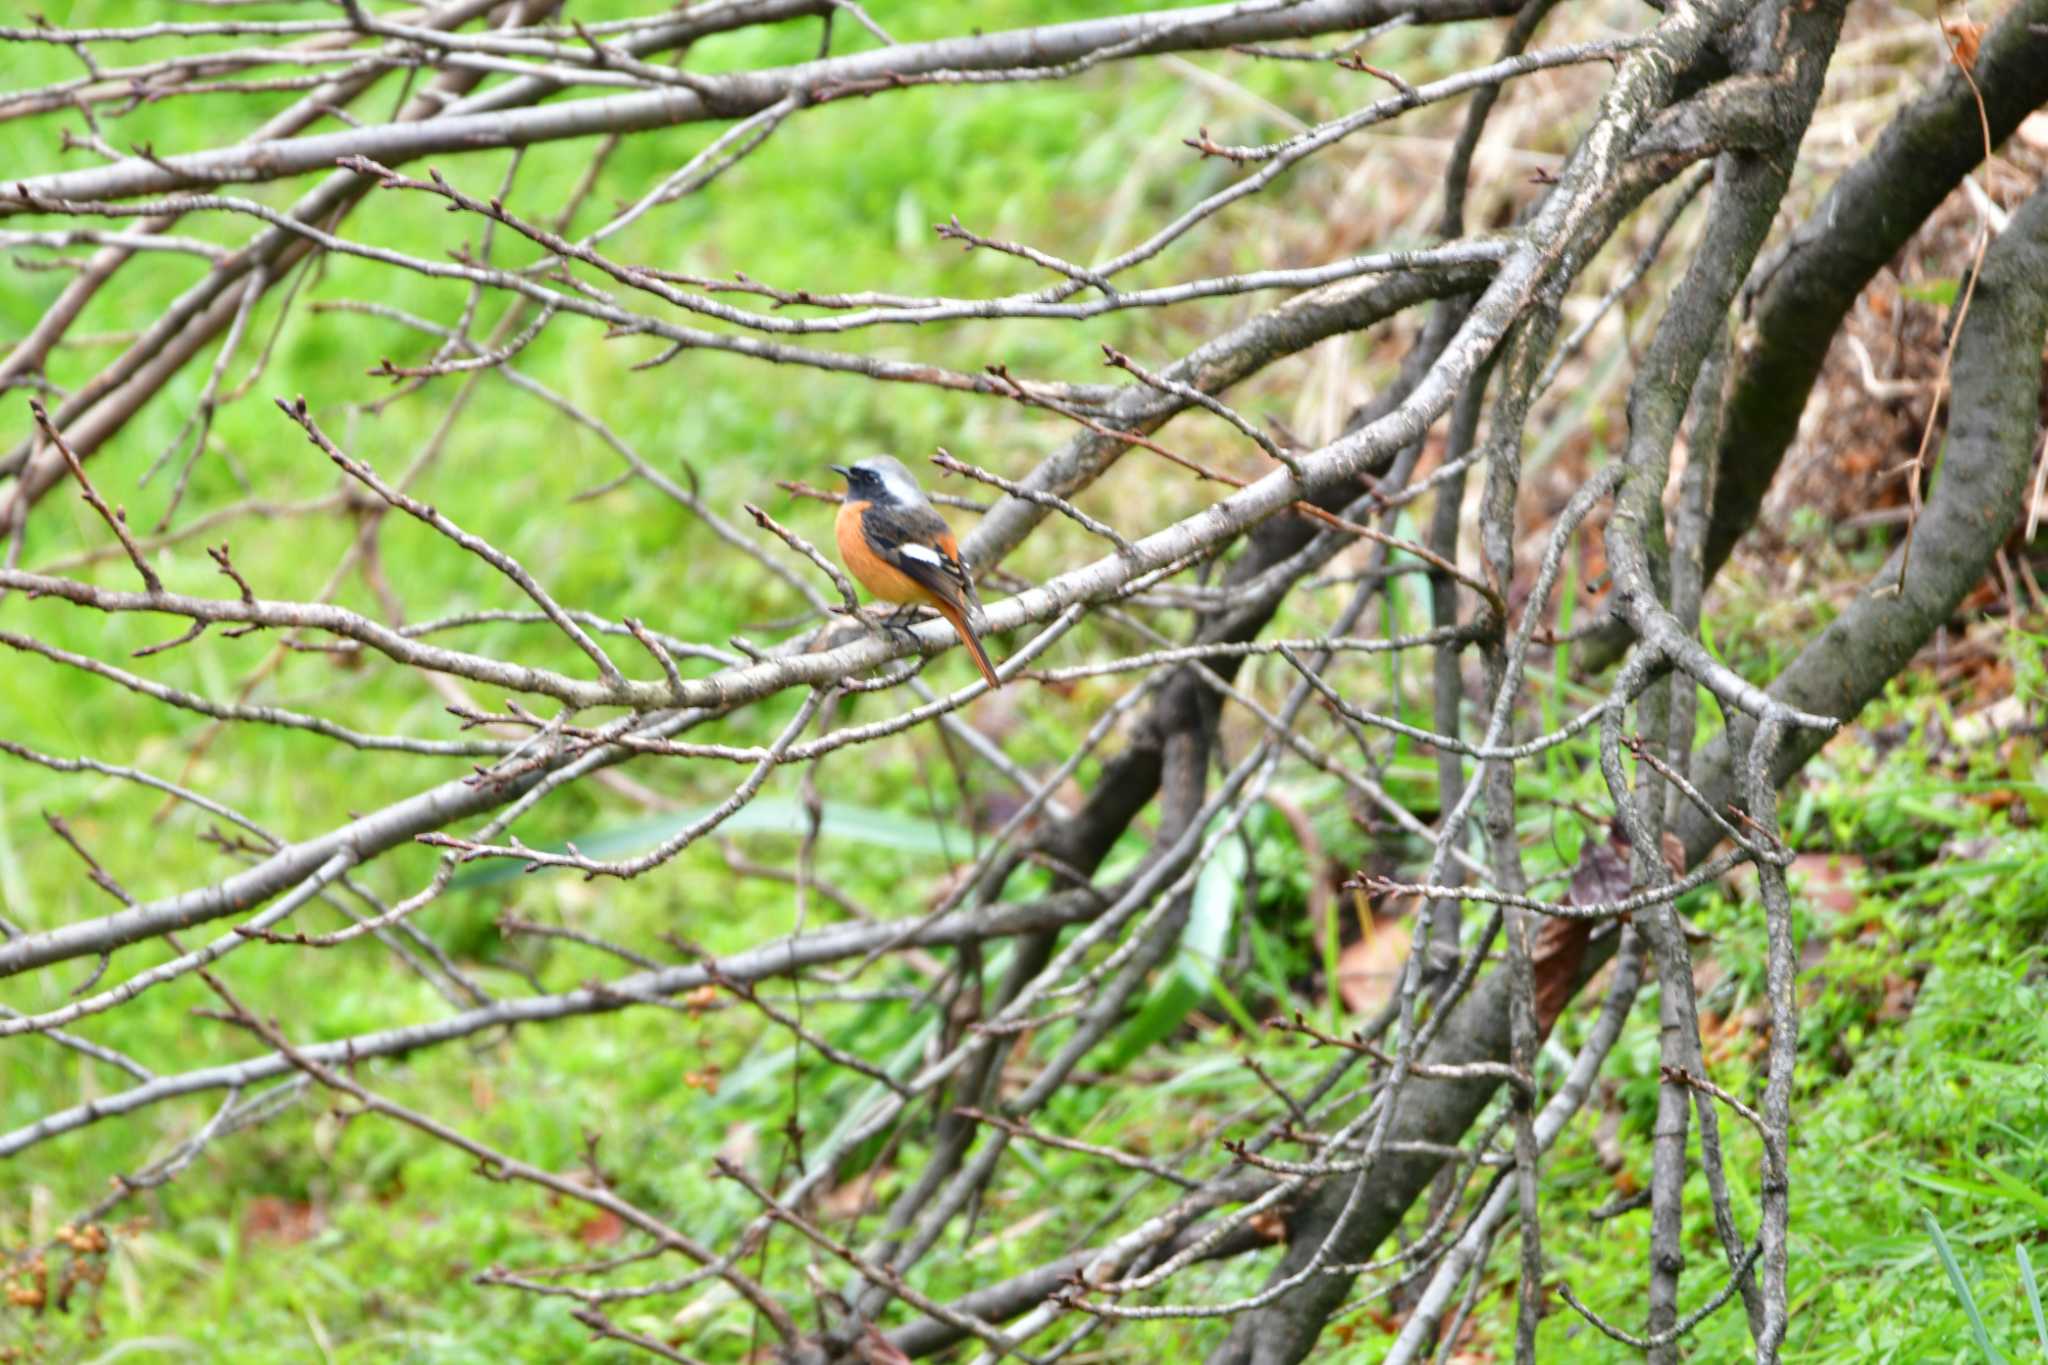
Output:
(889, 471)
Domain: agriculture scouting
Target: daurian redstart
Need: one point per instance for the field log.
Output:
(902, 551)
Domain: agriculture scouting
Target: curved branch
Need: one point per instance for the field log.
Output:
(1796, 298)
(1976, 502)
(1023, 51)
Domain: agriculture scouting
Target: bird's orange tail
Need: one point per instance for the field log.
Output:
(958, 620)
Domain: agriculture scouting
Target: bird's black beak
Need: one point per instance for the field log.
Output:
(841, 470)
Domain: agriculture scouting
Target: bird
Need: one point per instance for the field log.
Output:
(895, 542)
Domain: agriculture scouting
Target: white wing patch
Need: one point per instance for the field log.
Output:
(925, 554)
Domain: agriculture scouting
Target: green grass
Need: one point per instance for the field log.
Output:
(1904, 1105)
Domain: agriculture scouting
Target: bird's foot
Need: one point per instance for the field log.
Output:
(899, 623)
(903, 622)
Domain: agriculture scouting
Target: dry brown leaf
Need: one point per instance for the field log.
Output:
(1369, 969)
(1560, 948)
(1607, 1148)
(1602, 875)
(1825, 879)
(282, 1222)
(1723, 1038)
(877, 1349)
(601, 1229)
(853, 1198)
(1899, 995)
(1673, 849)
(1964, 36)
(1389, 1323)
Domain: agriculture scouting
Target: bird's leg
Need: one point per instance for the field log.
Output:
(899, 622)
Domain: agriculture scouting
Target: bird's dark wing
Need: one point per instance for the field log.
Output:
(918, 541)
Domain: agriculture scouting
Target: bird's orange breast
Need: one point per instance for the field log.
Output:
(875, 573)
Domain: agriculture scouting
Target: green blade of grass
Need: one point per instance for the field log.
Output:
(1955, 1277)
(2015, 1188)
(2033, 1296)
(1191, 978)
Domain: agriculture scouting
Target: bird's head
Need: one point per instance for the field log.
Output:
(882, 479)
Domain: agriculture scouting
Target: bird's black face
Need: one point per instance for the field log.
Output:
(860, 482)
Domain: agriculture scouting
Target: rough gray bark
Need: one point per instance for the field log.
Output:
(1978, 496)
